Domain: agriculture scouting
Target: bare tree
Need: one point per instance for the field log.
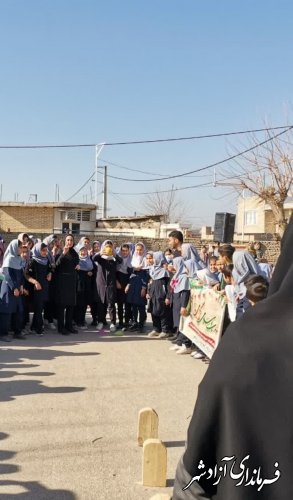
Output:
(167, 204)
(267, 171)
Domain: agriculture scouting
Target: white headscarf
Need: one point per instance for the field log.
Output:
(157, 271)
(189, 252)
(11, 257)
(137, 260)
(180, 280)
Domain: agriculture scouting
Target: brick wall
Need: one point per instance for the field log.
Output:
(18, 219)
(271, 248)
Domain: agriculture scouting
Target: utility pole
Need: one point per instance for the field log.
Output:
(99, 148)
(57, 192)
(105, 189)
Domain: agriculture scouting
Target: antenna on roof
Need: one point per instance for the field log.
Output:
(34, 197)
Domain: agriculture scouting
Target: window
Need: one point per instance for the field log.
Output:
(250, 217)
(65, 227)
(71, 215)
(84, 215)
(75, 228)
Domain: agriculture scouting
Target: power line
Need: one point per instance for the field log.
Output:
(168, 190)
(208, 166)
(172, 139)
(211, 183)
(190, 138)
(136, 170)
(76, 192)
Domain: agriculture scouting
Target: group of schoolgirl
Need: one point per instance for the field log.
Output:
(57, 281)
(236, 274)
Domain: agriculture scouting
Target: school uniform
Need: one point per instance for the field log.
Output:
(138, 281)
(158, 291)
(84, 289)
(180, 297)
(11, 307)
(38, 268)
(105, 289)
(65, 289)
(122, 277)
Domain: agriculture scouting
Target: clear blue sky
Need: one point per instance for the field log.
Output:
(89, 71)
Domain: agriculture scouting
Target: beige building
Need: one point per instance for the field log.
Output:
(142, 226)
(255, 218)
(16, 217)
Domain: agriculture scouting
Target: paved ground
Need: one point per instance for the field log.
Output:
(69, 408)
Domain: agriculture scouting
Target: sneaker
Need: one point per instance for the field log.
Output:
(184, 350)
(164, 335)
(172, 337)
(51, 326)
(82, 327)
(112, 328)
(197, 355)
(153, 334)
(175, 347)
(100, 326)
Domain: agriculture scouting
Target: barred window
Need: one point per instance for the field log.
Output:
(86, 215)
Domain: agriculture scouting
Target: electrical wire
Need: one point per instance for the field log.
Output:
(76, 192)
(140, 171)
(168, 190)
(151, 141)
(241, 153)
(212, 183)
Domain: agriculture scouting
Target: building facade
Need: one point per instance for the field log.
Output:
(49, 218)
(255, 218)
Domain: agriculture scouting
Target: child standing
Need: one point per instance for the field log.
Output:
(105, 290)
(180, 299)
(122, 280)
(38, 273)
(137, 288)
(84, 287)
(12, 289)
(158, 290)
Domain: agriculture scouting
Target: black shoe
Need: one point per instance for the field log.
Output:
(133, 328)
(72, 330)
(5, 338)
(64, 332)
(19, 336)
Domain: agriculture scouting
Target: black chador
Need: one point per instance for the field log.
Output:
(243, 417)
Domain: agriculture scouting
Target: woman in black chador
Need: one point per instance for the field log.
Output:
(65, 286)
(240, 438)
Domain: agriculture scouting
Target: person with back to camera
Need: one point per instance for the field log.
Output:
(239, 441)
